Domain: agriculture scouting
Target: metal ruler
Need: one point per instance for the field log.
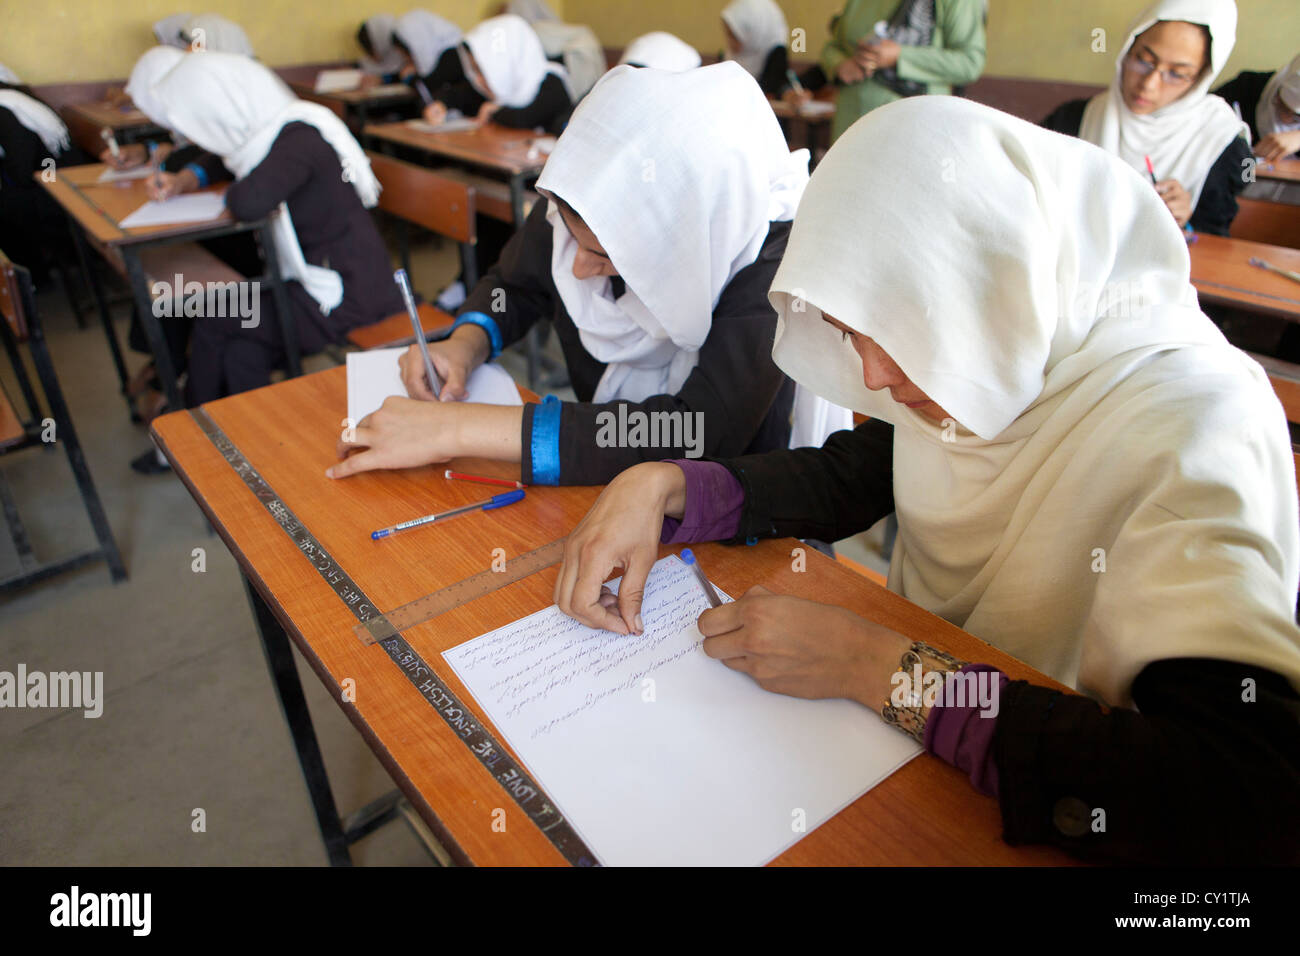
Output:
(509, 773)
(426, 608)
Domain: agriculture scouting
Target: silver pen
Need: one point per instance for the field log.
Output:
(404, 284)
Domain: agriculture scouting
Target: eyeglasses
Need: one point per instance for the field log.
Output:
(1141, 67)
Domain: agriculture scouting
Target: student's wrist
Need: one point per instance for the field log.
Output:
(669, 483)
(489, 431)
(476, 340)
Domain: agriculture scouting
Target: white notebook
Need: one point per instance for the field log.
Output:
(659, 755)
(111, 175)
(373, 376)
(191, 207)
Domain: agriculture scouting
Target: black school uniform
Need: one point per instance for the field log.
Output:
(549, 109)
(1217, 206)
(334, 230)
(1194, 775)
(744, 397)
(1246, 90)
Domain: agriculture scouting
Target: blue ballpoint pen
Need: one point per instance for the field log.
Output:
(496, 501)
(688, 556)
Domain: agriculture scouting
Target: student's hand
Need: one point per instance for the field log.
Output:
(453, 358)
(162, 185)
(486, 110)
(880, 55)
(115, 96)
(804, 649)
(160, 153)
(850, 72)
(369, 80)
(1277, 146)
(1178, 199)
(137, 154)
(407, 71)
(435, 113)
(795, 97)
(620, 531)
(405, 433)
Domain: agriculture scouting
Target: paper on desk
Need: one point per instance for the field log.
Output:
(191, 207)
(335, 81)
(373, 376)
(446, 126)
(817, 108)
(390, 89)
(111, 175)
(656, 753)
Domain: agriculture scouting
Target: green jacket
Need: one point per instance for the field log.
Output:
(955, 56)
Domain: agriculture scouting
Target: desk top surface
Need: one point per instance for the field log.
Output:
(926, 813)
(99, 207)
(105, 114)
(388, 93)
(1221, 272)
(492, 146)
(1288, 169)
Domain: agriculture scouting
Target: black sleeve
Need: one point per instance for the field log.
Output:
(446, 72)
(460, 95)
(773, 80)
(725, 398)
(286, 169)
(1066, 118)
(517, 290)
(210, 163)
(23, 151)
(552, 101)
(1205, 771)
(1217, 206)
(828, 493)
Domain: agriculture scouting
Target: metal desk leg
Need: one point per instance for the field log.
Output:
(280, 296)
(162, 356)
(105, 317)
(293, 704)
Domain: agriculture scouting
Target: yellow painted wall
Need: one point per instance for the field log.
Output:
(56, 41)
(1046, 39)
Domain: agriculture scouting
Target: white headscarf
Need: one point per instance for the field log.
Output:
(219, 34)
(384, 58)
(427, 37)
(1286, 83)
(1122, 490)
(168, 30)
(661, 51)
(584, 57)
(677, 175)
(1184, 138)
(156, 63)
(235, 107)
(8, 76)
(38, 118)
(760, 26)
(511, 59)
(534, 11)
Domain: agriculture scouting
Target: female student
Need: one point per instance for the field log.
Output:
(1270, 105)
(375, 37)
(1159, 107)
(756, 35)
(427, 45)
(1086, 476)
(668, 201)
(661, 51)
(299, 158)
(215, 34)
(882, 50)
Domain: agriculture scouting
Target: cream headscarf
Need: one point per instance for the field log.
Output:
(219, 35)
(235, 107)
(661, 51)
(760, 26)
(1122, 490)
(510, 57)
(383, 58)
(168, 30)
(426, 37)
(1184, 138)
(152, 66)
(1286, 83)
(679, 191)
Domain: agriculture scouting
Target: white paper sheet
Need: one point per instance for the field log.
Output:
(191, 207)
(373, 376)
(335, 81)
(700, 766)
(446, 126)
(111, 175)
(817, 108)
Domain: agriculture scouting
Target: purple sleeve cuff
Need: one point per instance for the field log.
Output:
(714, 502)
(961, 731)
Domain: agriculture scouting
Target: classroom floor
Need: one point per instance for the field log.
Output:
(190, 719)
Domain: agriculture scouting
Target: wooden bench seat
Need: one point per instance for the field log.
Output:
(492, 195)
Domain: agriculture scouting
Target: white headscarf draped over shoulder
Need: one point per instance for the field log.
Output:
(152, 66)
(1184, 138)
(33, 114)
(427, 37)
(760, 26)
(678, 176)
(1115, 485)
(218, 34)
(1285, 83)
(383, 58)
(511, 59)
(168, 30)
(235, 107)
(661, 51)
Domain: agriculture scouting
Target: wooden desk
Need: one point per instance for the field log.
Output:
(355, 104)
(502, 153)
(1223, 275)
(1285, 169)
(926, 813)
(86, 120)
(95, 209)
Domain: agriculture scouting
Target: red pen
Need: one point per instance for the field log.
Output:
(482, 480)
(1152, 170)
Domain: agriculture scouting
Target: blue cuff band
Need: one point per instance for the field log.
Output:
(198, 172)
(488, 325)
(545, 445)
